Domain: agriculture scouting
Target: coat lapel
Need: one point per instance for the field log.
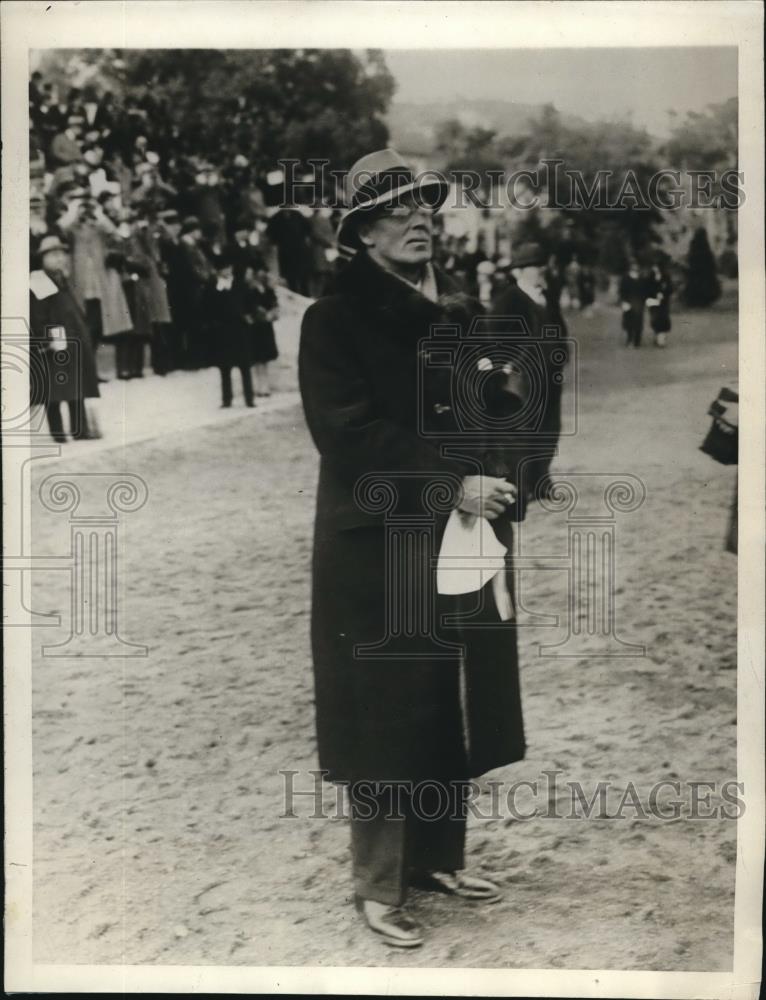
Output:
(403, 310)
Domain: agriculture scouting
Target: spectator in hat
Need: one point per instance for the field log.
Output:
(92, 235)
(535, 372)
(226, 307)
(660, 291)
(263, 309)
(244, 253)
(66, 146)
(323, 251)
(289, 230)
(196, 274)
(126, 258)
(64, 368)
(633, 292)
(172, 271)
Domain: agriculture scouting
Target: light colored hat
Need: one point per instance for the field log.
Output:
(378, 179)
(50, 243)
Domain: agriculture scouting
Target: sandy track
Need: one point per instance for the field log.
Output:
(158, 835)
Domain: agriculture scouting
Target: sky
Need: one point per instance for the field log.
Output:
(636, 84)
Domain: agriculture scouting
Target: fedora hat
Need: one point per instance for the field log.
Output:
(50, 243)
(190, 223)
(378, 179)
(528, 255)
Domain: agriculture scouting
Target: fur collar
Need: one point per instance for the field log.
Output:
(404, 309)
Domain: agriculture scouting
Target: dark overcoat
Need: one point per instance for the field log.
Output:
(660, 288)
(539, 348)
(229, 325)
(633, 291)
(410, 708)
(60, 376)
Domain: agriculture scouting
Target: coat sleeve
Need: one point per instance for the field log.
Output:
(343, 419)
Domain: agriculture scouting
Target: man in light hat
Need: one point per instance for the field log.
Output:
(395, 728)
(65, 369)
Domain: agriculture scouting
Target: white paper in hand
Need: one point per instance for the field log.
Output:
(470, 554)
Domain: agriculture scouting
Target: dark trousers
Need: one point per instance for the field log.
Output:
(396, 829)
(78, 422)
(247, 383)
(161, 349)
(95, 323)
(129, 355)
(633, 324)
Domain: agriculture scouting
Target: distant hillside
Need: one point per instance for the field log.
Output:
(413, 126)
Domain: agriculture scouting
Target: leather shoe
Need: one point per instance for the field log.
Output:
(395, 926)
(457, 884)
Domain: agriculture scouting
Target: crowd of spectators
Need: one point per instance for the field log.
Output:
(158, 236)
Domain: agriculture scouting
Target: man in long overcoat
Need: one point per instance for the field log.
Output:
(402, 697)
(538, 352)
(64, 368)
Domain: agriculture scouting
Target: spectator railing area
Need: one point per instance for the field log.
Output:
(141, 239)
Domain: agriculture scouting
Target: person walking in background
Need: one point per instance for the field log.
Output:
(632, 300)
(263, 308)
(226, 306)
(65, 370)
(659, 291)
(572, 282)
(587, 287)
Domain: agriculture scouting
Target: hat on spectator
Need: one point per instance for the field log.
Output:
(168, 215)
(528, 255)
(190, 223)
(378, 179)
(50, 243)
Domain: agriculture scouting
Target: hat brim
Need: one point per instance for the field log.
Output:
(345, 236)
(52, 249)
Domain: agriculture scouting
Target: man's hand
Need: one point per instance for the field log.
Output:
(486, 496)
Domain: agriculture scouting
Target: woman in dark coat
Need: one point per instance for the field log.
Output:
(660, 291)
(264, 310)
(389, 706)
(63, 362)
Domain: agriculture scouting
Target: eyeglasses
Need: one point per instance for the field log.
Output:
(399, 211)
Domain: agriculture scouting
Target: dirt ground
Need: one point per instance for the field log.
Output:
(158, 802)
